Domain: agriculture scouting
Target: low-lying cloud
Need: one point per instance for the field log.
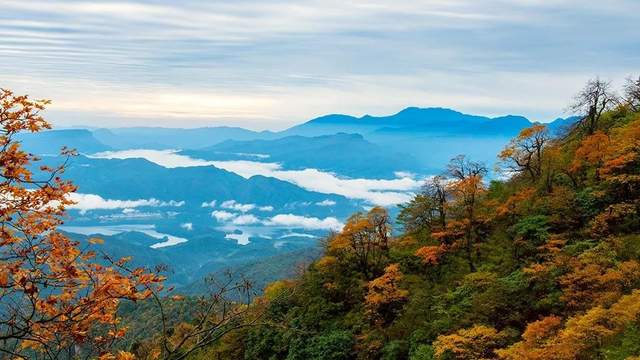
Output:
(86, 202)
(326, 202)
(222, 215)
(245, 219)
(381, 192)
(234, 205)
(309, 223)
(209, 204)
(279, 220)
(165, 158)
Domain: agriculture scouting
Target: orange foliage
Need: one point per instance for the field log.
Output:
(580, 334)
(467, 189)
(524, 153)
(595, 279)
(63, 296)
(591, 152)
(623, 153)
(534, 337)
(516, 203)
(385, 295)
(431, 255)
(614, 215)
(364, 240)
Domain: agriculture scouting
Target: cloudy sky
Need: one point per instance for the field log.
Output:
(269, 64)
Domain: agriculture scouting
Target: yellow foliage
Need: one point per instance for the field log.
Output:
(96, 241)
(580, 334)
(275, 289)
(385, 292)
(325, 263)
(476, 343)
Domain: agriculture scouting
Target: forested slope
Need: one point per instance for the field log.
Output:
(542, 265)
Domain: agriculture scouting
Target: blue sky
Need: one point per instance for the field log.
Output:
(270, 64)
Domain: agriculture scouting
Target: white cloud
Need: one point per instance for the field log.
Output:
(135, 214)
(309, 223)
(86, 202)
(294, 234)
(165, 158)
(247, 219)
(258, 156)
(210, 204)
(222, 215)
(376, 191)
(187, 226)
(241, 238)
(233, 205)
(326, 202)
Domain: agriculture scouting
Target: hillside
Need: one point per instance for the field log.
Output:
(544, 265)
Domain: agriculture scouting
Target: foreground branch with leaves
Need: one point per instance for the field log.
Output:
(56, 300)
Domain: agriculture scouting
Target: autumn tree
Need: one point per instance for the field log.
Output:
(596, 278)
(524, 153)
(55, 300)
(427, 210)
(227, 305)
(535, 336)
(476, 343)
(384, 296)
(431, 254)
(632, 93)
(466, 189)
(591, 153)
(580, 335)
(592, 101)
(364, 240)
(620, 175)
(620, 165)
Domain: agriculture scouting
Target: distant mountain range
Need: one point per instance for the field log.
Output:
(50, 142)
(412, 121)
(174, 138)
(415, 139)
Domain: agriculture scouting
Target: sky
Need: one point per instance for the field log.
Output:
(272, 64)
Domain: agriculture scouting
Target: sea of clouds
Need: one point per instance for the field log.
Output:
(383, 192)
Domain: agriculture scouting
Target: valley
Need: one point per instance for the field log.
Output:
(230, 198)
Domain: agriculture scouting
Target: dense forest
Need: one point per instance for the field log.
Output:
(541, 265)
(540, 262)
